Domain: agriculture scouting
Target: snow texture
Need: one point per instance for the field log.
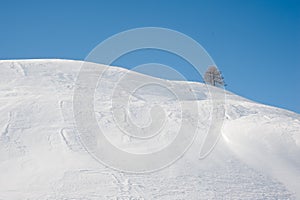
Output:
(41, 156)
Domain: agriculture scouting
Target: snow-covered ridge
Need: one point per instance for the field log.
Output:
(41, 156)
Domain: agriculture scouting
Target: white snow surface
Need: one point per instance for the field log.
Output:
(41, 156)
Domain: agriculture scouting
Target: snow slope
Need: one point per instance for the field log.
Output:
(41, 155)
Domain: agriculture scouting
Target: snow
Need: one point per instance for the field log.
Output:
(42, 155)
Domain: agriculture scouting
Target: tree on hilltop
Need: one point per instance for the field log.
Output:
(214, 77)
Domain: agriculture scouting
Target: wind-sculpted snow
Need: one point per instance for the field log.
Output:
(42, 155)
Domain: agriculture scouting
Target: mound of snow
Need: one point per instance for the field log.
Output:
(42, 157)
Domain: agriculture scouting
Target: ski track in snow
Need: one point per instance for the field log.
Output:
(41, 156)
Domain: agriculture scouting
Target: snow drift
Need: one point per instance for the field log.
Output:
(42, 157)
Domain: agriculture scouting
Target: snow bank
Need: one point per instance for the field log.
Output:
(41, 155)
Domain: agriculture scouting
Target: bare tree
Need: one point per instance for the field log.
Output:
(214, 77)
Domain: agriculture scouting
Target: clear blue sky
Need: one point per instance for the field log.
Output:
(255, 43)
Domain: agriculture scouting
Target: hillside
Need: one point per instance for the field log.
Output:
(43, 155)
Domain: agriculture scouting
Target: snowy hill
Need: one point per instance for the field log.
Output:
(42, 155)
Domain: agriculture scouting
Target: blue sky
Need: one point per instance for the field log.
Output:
(255, 43)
